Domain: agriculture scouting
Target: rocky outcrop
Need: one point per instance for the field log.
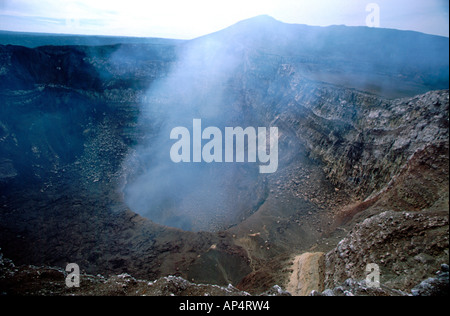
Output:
(365, 142)
(408, 247)
(359, 288)
(26, 280)
(435, 286)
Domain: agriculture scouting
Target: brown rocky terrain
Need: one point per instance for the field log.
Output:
(418, 188)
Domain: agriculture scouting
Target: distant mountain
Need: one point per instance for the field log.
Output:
(387, 62)
(33, 40)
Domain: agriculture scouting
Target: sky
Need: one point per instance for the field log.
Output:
(186, 19)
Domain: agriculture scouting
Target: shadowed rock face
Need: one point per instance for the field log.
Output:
(82, 128)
